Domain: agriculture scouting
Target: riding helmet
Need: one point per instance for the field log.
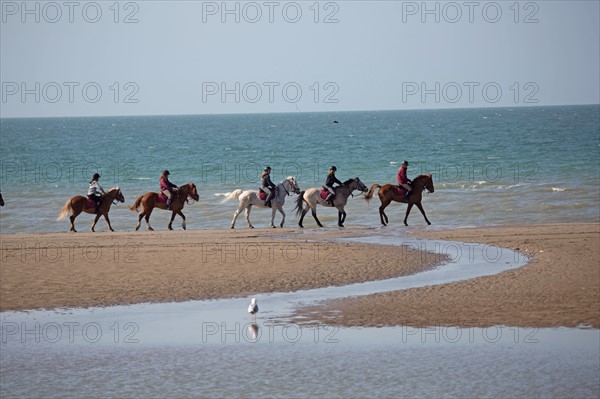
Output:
(95, 176)
(333, 168)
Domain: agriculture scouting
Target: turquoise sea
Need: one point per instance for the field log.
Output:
(490, 166)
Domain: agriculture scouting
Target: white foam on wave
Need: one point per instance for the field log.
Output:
(558, 189)
(221, 194)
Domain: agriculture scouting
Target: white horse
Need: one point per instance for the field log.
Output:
(312, 197)
(250, 197)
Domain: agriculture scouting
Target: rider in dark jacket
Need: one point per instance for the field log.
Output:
(329, 182)
(267, 185)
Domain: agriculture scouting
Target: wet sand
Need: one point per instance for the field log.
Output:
(58, 270)
(559, 286)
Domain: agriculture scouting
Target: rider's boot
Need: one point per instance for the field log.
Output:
(329, 199)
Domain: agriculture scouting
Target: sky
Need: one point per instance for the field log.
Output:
(86, 58)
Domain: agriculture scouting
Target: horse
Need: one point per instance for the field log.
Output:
(249, 198)
(80, 204)
(152, 200)
(313, 196)
(390, 192)
(1, 200)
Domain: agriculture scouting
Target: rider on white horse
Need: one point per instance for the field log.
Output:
(267, 185)
(329, 182)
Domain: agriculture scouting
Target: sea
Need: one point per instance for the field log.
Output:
(490, 166)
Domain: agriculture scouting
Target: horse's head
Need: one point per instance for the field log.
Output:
(424, 182)
(356, 184)
(291, 185)
(428, 183)
(192, 191)
(116, 194)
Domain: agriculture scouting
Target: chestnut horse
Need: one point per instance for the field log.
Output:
(80, 204)
(389, 192)
(312, 197)
(150, 200)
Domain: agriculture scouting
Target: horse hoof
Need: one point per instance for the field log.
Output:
(150, 229)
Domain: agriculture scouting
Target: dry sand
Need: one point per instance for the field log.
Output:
(559, 286)
(101, 269)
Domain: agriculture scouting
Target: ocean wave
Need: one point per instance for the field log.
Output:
(221, 194)
(558, 189)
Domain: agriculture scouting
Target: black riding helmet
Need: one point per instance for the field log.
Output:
(166, 173)
(95, 176)
(333, 168)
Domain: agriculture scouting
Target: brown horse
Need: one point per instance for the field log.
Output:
(80, 204)
(150, 200)
(390, 192)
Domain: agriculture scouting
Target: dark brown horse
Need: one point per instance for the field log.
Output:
(80, 204)
(389, 192)
(151, 200)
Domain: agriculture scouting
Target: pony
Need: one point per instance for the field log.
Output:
(313, 196)
(249, 198)
(391, 192)
(80, 204)
(152, 200)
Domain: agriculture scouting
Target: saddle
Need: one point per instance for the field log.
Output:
(401, 190)
(262, 195)
(325, 193)
(90, 203)
(162, 198)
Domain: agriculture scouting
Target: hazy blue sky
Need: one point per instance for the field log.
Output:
(197, 57)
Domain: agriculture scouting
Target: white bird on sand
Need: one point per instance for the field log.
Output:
(253, 307)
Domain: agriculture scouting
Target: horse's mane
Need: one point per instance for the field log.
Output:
(421, 177)
(347, 182)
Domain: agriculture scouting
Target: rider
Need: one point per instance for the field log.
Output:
(403, 181)
(267, 185)
(166, 187)
(329, 182)
(95, 192)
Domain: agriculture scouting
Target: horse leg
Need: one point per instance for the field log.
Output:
(273, 212)
(314, 213)
(408, 208)
(95, 221)
(282, 216)
(235, 216)
(382, 215)
(423, 212)
(183, 217)
(108, 221)
(139, 223)
(173, 213)
(248, 209)
(341, 218)
(304, 212)
(147, 217)
(72, 219)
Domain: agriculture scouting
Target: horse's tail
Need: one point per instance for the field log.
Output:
(136, 205)
(64, 211)
(299, 204)
(234, 195)
(371, 192)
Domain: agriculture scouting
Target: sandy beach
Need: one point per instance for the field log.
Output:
(559, 286)
(101, 269)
